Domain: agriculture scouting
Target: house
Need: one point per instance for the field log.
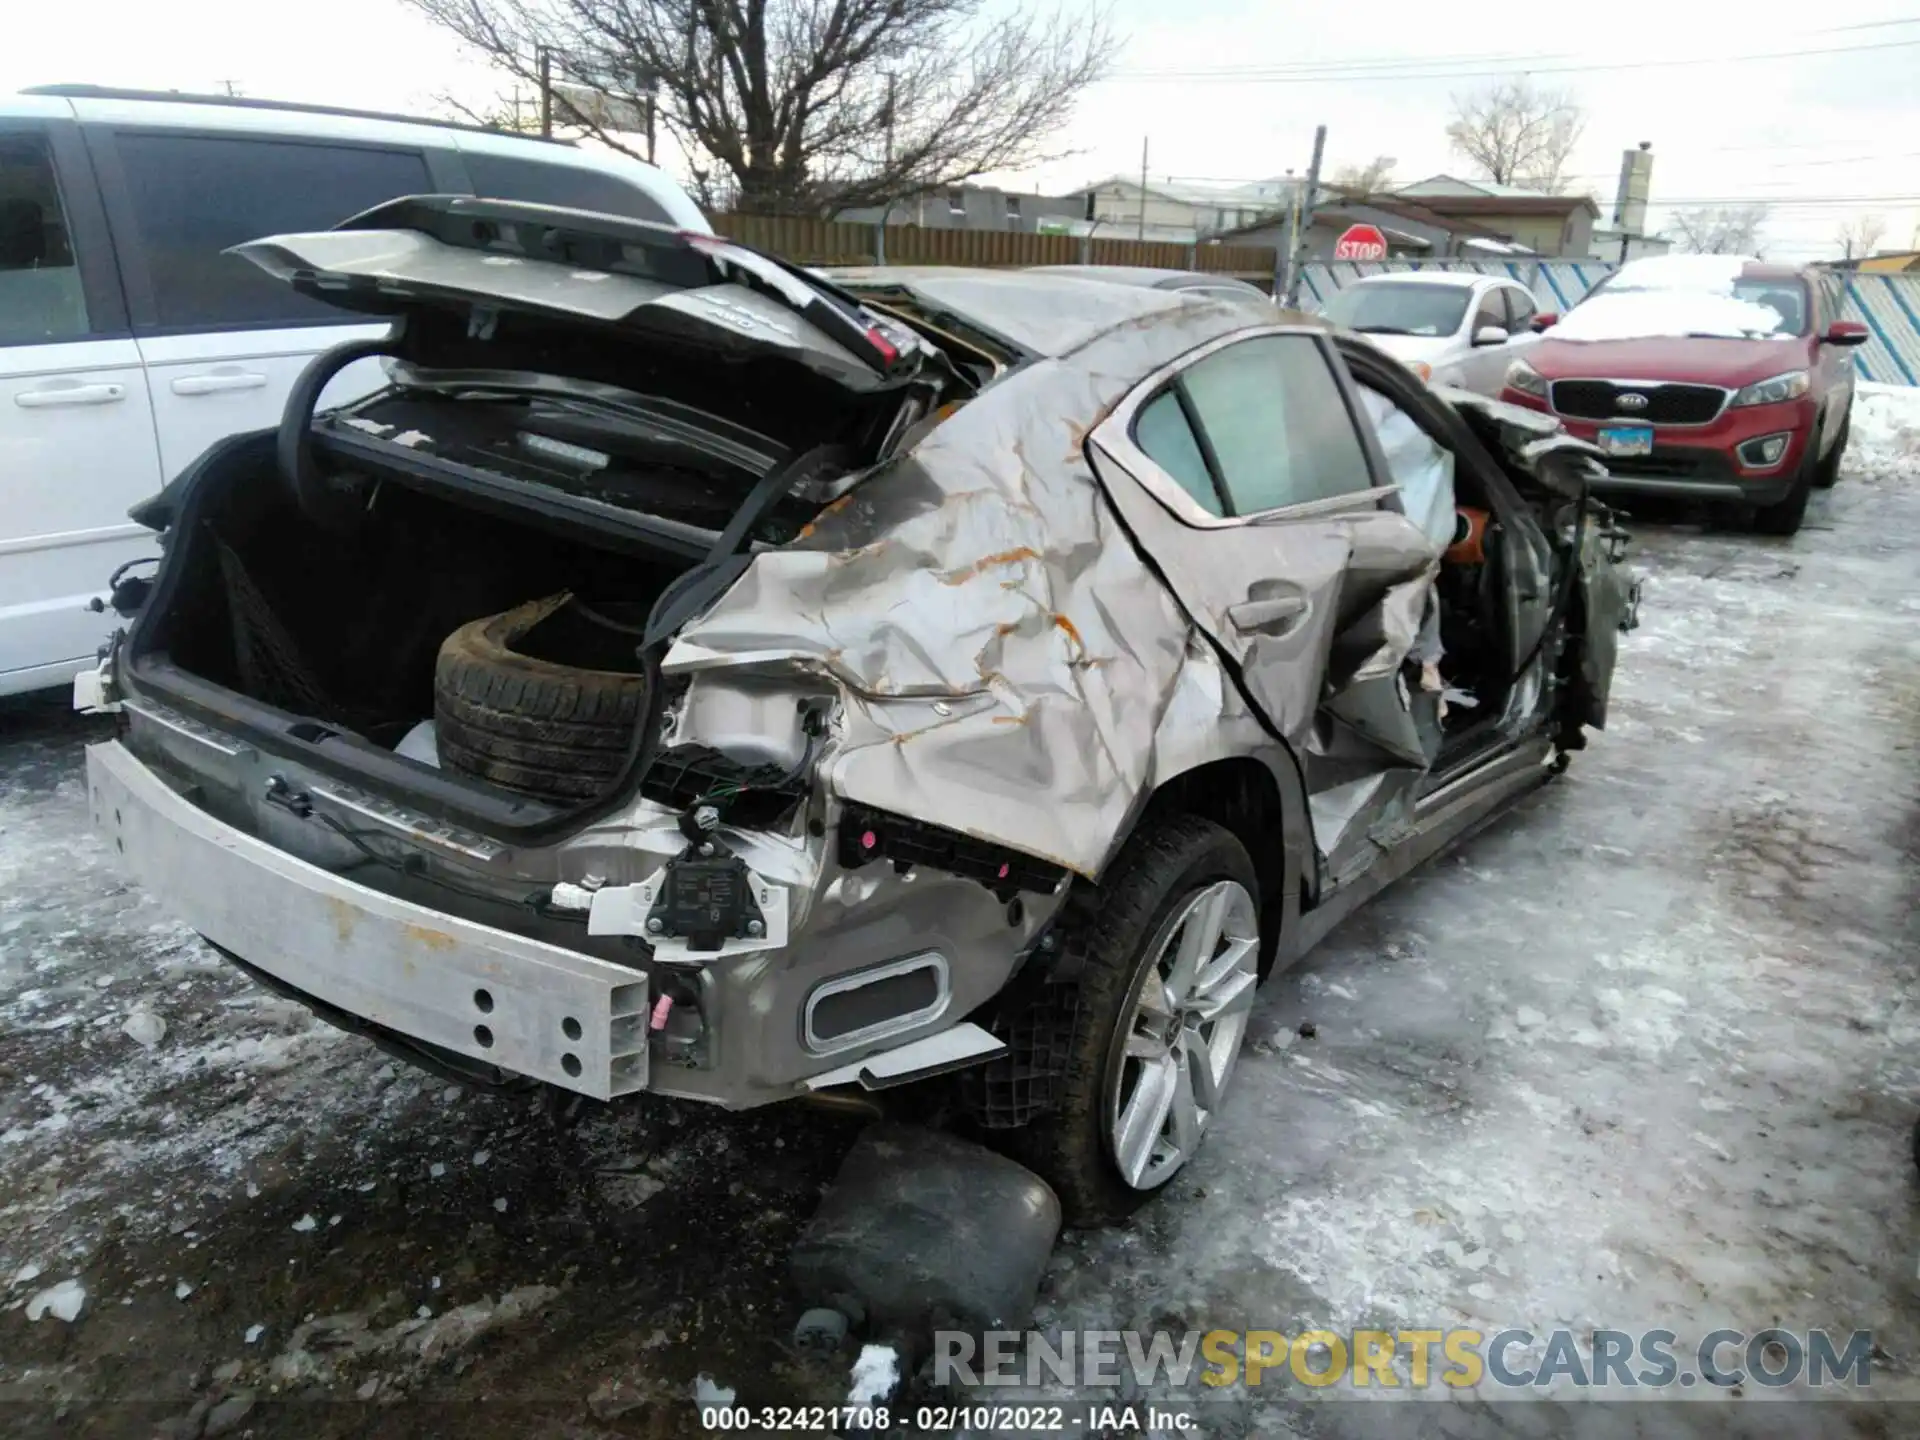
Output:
(1548, 225)
(1120, 207)
(1892, 262)
(1412, 231)
(973, 207)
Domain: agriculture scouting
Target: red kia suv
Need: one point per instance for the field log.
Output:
(1707, 376)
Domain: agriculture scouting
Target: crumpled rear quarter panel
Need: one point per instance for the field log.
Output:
(985, 576)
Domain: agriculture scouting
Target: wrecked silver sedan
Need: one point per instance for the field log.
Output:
(694, 675)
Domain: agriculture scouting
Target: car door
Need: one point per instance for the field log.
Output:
(1832, 364)
(1247, 475)
(1482, 368)
(76, 432)
(223, 343)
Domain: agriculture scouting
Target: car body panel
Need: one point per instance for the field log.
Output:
(1017, 646)
(1688, 328)
(1453, 358)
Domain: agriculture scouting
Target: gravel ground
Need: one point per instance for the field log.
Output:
(1641, 1054)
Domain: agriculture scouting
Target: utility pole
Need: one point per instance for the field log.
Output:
(886, 174)
(543, 57)
(650, 87)
(1297, 242)
(1143, 186)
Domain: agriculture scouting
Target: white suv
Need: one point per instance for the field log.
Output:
(130, 340)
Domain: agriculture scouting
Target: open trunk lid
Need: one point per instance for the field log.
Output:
(479, 258)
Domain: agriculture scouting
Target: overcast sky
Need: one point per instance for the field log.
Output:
(1231, 89)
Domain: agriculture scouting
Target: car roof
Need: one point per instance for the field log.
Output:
(1042, 311)
(1426, 277)
(245, 115)
(1706, 269)
(1145, 275)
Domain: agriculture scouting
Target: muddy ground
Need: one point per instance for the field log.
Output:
(1642, 1053)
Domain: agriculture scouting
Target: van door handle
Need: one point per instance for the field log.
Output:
(1275, 616)
(216, 384)
(52, 395)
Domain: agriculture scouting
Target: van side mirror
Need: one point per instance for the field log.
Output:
(1845, 332)
(1545, 319)
(1489, 335)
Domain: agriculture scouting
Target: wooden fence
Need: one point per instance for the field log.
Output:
(807, 241)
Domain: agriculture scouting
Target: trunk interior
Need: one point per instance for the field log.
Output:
(335, 636)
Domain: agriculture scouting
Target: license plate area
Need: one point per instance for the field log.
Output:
(1626, 440)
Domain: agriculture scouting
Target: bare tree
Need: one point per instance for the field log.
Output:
(808, 105)
(514, 113)
(1516, 134)
(1860, 236)
(1368, 179)
(1721, 230)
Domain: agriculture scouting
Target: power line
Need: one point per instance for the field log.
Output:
(1415, 63)
(1270, 76)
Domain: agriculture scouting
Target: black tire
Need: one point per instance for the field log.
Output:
(1783, 517)
(1160, 867)
(559, 732)
(1828, 471)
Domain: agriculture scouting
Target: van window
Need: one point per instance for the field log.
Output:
(195, 195)
(537, 182)
(40, 296)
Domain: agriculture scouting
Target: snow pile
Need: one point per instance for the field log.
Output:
(1884, 434)
(62, 1301)
(1640, 314)
(876, 1375)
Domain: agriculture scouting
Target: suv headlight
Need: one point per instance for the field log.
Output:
(1790, 386)
(1527, 380)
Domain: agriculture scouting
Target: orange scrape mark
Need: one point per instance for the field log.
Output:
(432, 939)
(989, 562)
(1067, 625)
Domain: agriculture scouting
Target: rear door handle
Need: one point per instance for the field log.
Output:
(1274, 616)
(53, 395)
(216, 384)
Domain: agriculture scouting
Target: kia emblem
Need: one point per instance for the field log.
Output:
(1631, 400)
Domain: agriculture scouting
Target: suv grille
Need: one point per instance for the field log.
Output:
(1666, 404)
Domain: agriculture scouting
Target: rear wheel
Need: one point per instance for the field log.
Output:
(1172, 960)
(1829, 469)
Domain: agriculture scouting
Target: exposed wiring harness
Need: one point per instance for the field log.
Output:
(414, 867)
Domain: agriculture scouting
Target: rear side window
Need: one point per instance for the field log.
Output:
(504, 177)
(193, 196)
(1163, 433)
(1280, 432)
(40, 297)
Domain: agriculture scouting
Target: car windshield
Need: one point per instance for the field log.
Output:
(1401, 308)
(1644, 301)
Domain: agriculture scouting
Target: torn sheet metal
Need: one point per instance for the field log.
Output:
(1004, 652)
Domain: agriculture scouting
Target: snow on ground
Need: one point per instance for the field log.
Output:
(1642, 1053)
(1885, 439)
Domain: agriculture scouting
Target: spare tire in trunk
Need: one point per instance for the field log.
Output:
(534, 701)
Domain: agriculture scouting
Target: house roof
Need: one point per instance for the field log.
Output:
(1501, 205)
(1240, 196)
(1381, 204)
(1479, 187)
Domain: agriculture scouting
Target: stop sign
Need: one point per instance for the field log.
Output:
(1360, 242)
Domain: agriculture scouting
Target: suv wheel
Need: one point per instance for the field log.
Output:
(1829, 469)
(1172, 958)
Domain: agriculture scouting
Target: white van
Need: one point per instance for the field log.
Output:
(130, 342)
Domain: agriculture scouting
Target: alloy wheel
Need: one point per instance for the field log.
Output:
(1181, 1033)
